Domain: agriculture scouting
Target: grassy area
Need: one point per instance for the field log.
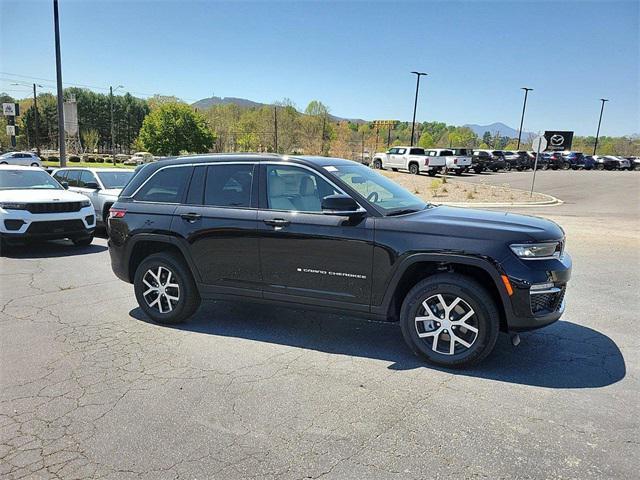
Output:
(87, 164)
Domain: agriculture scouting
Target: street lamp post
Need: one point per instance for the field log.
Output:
(61, 145)
(524, 106)
(415, 103)
(36, 120)
(603, 100)
(113, 143)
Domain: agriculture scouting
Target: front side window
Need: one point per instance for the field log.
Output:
(27, 180)
(296, 189)
(85, 177)
(73, 178)
(166, 186)
(228, 185)
(377, 189)
(60, 176)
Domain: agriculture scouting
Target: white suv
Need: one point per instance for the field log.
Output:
(28, 159)
(33, 205)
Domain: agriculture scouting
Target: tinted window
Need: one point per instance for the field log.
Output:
(196, 187)
(393, 150)
(86, 177)
(446, 153)
(417, 151)
(296, 189)
(228, 185)
(166, 186)
(73, 177)
(60, 176)
(115, 179)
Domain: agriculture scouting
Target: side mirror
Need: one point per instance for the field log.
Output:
(92, 185)
(342, 205)
(65, 185)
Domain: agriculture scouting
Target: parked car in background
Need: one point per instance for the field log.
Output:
(484, 160)
(590, 162)
(634, 163)
(457, 160)
(413, 159)
(523, 161)
(27, 159)
(555, 161)
(577, 160)
(101, 185)
(612, 162)
(139, 158)
(33, 205)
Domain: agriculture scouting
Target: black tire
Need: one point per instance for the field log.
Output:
(432, 173)
(566, 166)
(377, 164)
(507, 167)
(187, 292)
(458, 172)
(394, 169)
(82, 241)
(477, 170)
(414, 169)
(471, 293)
(494, 170)
(34, 164)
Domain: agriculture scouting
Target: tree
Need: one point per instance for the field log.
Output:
(90, 138)
(487, 139)
(174, 127)
(426, 140)
(462, 137)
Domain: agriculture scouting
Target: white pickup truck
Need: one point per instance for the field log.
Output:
(457, 160)
(413, 159)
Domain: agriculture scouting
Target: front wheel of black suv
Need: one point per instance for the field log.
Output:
(82, 241)
(450, 320)
(165, 289)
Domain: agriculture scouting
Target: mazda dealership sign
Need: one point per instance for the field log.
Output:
(558, 140)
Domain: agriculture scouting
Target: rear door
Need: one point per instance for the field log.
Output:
(305, 255)
(219, 221)
(87, 177)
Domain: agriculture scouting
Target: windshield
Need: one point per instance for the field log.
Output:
(115, 179)
(27, 180)
(385, 194)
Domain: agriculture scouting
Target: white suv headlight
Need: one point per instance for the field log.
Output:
(537, 251)
(85, 203)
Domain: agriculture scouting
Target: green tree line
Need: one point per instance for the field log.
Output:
(167, 126)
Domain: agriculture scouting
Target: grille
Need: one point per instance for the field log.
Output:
(57, 207)
(60, 226)
(549, 302)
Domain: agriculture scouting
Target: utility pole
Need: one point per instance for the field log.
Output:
(113, 138)
(415, 103)
(36, 121)
(362, 153)
(61, 145)
(275, 127)
(603, 100)
(324, 120)
(526, 92)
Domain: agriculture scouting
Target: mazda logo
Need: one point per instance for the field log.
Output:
(557, 140)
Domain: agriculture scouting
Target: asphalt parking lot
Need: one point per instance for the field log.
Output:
(91, 389)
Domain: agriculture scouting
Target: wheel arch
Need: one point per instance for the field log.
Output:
(418, 267)
(148, 244)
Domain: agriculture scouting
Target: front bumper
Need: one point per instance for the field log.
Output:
(21, 224)
(530, 308)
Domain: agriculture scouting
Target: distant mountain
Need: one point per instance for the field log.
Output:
(205, 103)
(505, 130)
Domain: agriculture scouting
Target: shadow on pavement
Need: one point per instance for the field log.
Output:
(57, 248)
(563, 355)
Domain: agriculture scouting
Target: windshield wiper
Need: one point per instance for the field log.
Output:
(403, 211)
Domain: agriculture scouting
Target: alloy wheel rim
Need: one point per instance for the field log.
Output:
(162, 292)
(447, 324)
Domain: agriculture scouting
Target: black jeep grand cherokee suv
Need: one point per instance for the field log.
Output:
(334, 234)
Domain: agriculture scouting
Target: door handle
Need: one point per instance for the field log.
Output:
(191, 217)
(277, 222)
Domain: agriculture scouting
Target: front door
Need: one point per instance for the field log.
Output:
(307, 256)
(219, 221)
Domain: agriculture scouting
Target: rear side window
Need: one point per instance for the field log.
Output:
(166, 186)
(416, 151)
(60, 176)
(228, 185)
(446, 153)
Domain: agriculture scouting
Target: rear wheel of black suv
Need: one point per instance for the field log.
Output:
(450, 320)
(165, 288)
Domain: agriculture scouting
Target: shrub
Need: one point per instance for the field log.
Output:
(99, 160)
(90, 159)
(74, 159)
(53, 158)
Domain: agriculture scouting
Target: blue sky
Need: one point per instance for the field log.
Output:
(353, 56)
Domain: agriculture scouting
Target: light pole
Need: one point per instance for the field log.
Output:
(415, 103)
(113, 143)
(61, 145)
(603, 100)
(35, 112)
(524, 106)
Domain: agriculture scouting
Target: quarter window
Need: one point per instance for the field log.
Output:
(296, 189)
(166, 186)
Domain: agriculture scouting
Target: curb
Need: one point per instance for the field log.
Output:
(551, 202)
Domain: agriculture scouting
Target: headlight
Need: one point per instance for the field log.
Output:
(85, 203)
(13, 206)
(537, 251)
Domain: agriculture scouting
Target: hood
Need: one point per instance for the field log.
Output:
(40, 196)
(480, 225)
(112, 192)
